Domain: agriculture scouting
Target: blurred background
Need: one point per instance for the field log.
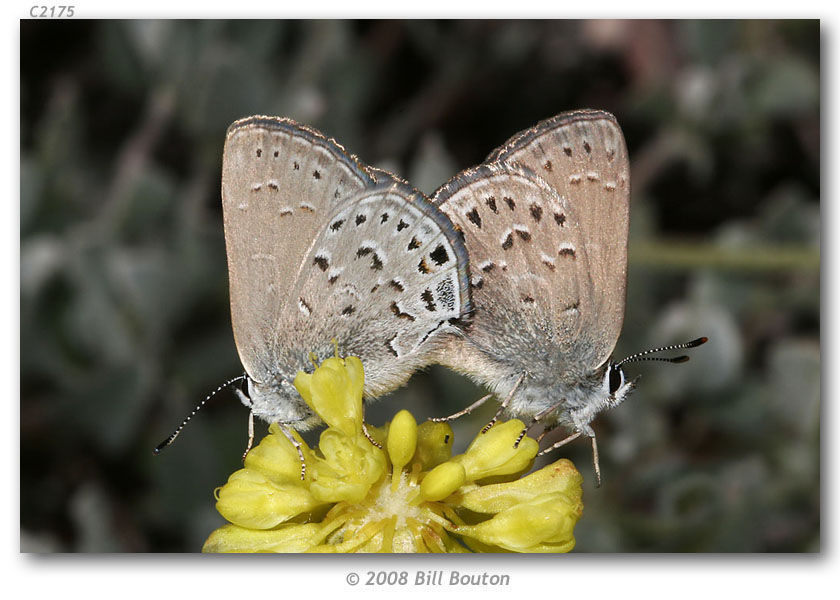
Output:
(125, 321)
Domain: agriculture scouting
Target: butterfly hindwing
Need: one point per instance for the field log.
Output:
(386, 277)
(582, 156)
(528, 265)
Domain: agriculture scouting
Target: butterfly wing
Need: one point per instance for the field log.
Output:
(583, 158)
(280, 181)
(385, 276)
(528, 270)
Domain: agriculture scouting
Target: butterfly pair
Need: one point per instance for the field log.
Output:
(513, 272)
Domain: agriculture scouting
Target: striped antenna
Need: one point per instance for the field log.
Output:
(183, 424)
(640, 356)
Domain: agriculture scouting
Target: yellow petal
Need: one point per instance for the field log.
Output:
(334, 392)
(560, 476)
(252, 500)
(493, 454)
(351, 465)
(287, 538)
(356, 375)
(546, 524)
(276, 457)
(303, 384)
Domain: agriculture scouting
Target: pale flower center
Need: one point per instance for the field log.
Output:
(394, 501)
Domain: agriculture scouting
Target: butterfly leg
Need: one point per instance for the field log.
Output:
(546, 431)
(562, 442)
(250, 435)
(370, 439)
(247, 402)
(297, 446)
(537, 418)
(504, 404)
(595, 460)
(461, 413)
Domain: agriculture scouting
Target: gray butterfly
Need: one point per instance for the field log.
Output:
(545, 221)
(321, 247)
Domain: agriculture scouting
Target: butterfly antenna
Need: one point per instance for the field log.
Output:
(183, 424)
(643, 356)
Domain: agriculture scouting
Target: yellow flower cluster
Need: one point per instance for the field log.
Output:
(410, 495)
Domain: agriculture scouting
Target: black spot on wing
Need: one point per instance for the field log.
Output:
(322, 262)
(474, 218)
(439, 255)
(508, 242)
(304, 306)
(423, 267)
(429, 299)
(524, 234)
(376, 264)
(400, 314)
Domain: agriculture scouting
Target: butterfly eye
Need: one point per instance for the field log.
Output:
(616, 378)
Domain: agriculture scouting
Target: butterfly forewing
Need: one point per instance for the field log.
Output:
(280, 182)
(583, 157)
(384, 277)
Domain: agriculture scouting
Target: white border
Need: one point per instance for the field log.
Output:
(578, 576)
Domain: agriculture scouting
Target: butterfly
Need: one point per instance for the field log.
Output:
(545, 220)
(324, 250)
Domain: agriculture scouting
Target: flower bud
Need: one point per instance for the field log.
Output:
(402, 439)
(442, 481)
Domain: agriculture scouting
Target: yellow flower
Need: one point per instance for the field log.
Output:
(410, 495)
